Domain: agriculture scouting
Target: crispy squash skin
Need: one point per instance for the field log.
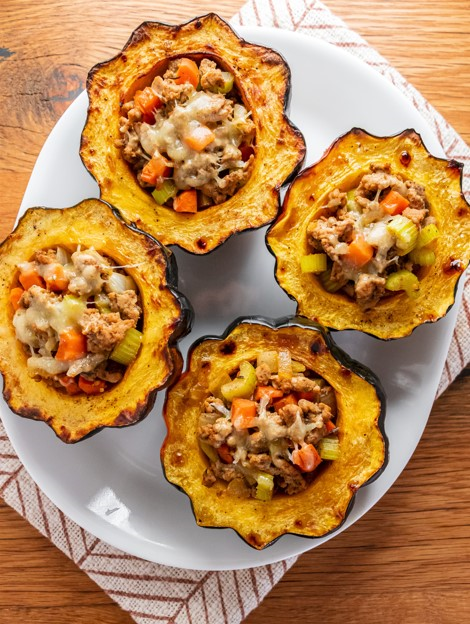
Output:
(166, 316)
(325, 504)
(345, 161)
(263, 79)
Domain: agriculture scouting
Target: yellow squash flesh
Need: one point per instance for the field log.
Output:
(263, 79)
(322, 507)
(344, 163)
(92, 224)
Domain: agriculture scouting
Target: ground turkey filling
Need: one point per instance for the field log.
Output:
(374, 238)
(77, 316)
(188, 136)
(273, 441)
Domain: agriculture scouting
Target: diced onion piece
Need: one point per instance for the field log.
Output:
(405, 232)
(329, 284)
(119, 282)
(403, 280)
(428, 234)
(46, 366)
(269, 358)
(221, 409)
(164, 192)
(313, 263)
(285, 364)
(63, 256)
(329, 448)
(242, 386)
(264, 487)
(209, 450)
(423, 257)
(126, 351)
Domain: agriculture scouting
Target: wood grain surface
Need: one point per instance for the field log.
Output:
(408, 559)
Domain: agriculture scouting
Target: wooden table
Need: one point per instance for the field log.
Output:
(408, 560)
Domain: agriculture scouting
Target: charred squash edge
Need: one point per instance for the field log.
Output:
(173, 355)
(198, 244)
(305, 173)
(344, 360)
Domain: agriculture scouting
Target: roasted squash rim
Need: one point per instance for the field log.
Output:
(191, 246)
(342, 357)
(305, 172)
(172, 355)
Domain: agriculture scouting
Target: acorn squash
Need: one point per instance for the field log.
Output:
(323, 506)
(346, 160)
(166, 314)
(262, 78)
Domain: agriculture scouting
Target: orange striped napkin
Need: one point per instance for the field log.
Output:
(155, 594)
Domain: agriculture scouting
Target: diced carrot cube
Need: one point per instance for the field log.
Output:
(186, 201)
(359, 252)
(306, 458)
(187, 71)
(268, 392)
(394, 203)
(15, 296)
(95, 386)
(290, 399)
(199, 137)
(30, 278)
(72, 345)
(243, 413)
(225, 454)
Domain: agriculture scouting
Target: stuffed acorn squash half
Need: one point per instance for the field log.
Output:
(187, 133)
(375, 236)
(89, 319)
(272, 429)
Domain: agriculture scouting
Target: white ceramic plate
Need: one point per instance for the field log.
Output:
(112, 484)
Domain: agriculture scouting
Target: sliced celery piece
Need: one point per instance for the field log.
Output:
(102, 302)
(242, 386)
(405, 232)
(423, 257)
(126, 351)
(329, 448)
(264, 487)
(429, 233)
(313, 263)
(228, 83)
(164, 192)
(329, 284)
(403, 280)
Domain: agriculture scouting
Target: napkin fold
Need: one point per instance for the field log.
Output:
(153, 593)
